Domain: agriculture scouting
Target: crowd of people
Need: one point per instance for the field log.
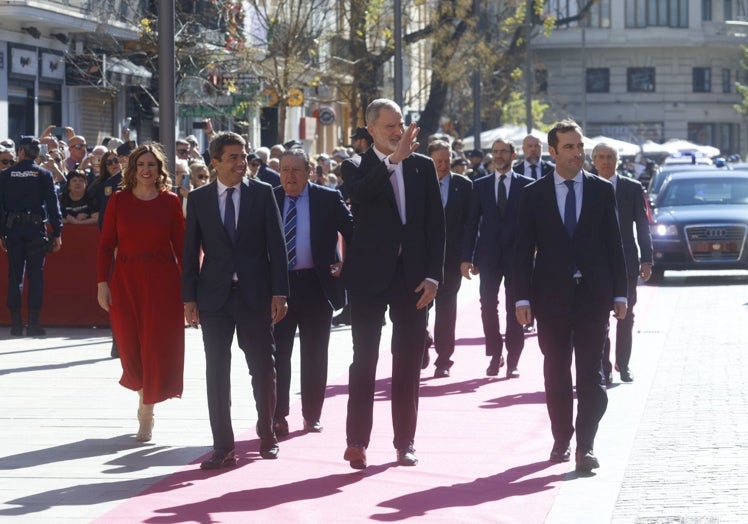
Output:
(247, 242)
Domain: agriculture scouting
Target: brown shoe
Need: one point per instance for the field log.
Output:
(356, 455)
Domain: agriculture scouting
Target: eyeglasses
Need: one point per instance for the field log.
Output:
(79, 146)
(183, 151)
(6, 161)
(254, 164)
(202, 177)
(112, 161)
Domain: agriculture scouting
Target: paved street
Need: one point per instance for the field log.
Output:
(673, 444)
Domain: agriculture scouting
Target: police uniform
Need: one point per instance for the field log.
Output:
(27, 203)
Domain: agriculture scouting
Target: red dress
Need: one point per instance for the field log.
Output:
(146, 314)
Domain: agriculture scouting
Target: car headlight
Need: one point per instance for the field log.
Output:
(664, 230)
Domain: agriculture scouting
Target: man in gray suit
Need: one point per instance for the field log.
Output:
(632, 212)
(240, 287)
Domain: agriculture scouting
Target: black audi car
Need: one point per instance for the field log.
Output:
(700, 221)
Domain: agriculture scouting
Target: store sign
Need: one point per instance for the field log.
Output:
(24, 61)
(53, 66)
(326, 115)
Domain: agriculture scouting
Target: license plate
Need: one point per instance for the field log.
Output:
(715, 247)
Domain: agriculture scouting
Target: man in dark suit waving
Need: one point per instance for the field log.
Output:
(570, 272)
(313, 215)
(488, 249)
(240, 287)
(632, 212)
(395, 258)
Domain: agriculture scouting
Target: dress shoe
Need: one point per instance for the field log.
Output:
(219, 459)
(35, 331)
(427, 343)
(512, 373)
(356, 456)
(280, 426)
(586, 461)
(16, 330)
(312, 427)
(529, 329)
(627, 375)
(269, 449)
(609, 379)
(560, 453)
(407, 456)
(441, 372)
(493, 367)
(343, 318)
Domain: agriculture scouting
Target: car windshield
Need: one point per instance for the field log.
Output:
(699, 192)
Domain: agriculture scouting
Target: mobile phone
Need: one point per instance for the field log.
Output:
(58, 131)
(44, 152)
(200, 124)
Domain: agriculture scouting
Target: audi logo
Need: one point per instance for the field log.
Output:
(715, 233)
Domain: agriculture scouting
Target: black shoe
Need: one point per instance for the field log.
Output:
(311, 427)
(627, 375)
(280, 426)
(16, 331)
(114, 353)
(407, 456)
(493, 367)
(356, 456)
(512, 373)
(586, 461)
(35, 331)
(343, 318)
(219, 459)
(560, 453)
(441, 373)
(529, 329)
(269, 449)
(427, 343)
(609, 379)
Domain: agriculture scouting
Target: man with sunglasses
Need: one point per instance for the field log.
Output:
(7, 157)
(77, 152)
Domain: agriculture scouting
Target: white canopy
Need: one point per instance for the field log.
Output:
(623, 148)
(515, 134)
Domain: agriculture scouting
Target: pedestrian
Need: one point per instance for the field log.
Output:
(313, 216)
(632, 213)
(569, 272)
(139, 262)
(240, 288)
(395, 258)
(455, 194)
(28, 202)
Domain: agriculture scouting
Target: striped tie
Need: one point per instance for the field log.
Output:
(290, 230)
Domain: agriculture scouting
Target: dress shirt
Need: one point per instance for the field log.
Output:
(444, 189)
(507, 183)
(303, 230)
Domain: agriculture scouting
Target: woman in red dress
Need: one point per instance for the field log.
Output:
(144, 226)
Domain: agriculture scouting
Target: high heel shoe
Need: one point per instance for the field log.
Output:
(145, 429)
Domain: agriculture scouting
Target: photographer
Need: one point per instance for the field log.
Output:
(27, 202)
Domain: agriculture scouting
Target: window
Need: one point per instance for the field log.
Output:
(726, 81)
(597, 16)
(658, 13)
(706, 10)
(702, 80)
(598, 80)
(728, 9)
(640, 79)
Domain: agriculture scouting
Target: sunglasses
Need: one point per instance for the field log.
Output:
(183, 151)
(112, 161)
(6, 161)
(254, 164)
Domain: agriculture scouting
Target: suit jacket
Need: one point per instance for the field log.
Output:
(379, 234)
(268, 175)
(489, 238)
(595, 249)
(546, 168)
(258, 256)
(455, 216)
(632, 212)
(328, 216)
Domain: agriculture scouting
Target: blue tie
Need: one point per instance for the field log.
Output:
(570, 209)
(229, 215)
(290, 230)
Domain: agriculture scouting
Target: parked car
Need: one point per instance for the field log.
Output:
(700, 221)
(662, 174)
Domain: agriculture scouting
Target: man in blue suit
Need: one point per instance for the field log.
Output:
(488, 250)
(570, 272)
(632, 212)
(313, 215)
(532, 166)
(240, 287)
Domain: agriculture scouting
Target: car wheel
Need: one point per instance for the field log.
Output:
(658, 276)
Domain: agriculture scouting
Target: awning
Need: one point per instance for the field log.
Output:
(121, 71)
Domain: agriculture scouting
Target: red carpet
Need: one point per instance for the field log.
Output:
(482, 442)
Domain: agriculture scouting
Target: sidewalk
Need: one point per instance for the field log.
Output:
(672, 445)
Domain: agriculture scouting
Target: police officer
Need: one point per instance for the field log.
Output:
(27, 203)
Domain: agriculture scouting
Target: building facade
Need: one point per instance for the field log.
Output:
(641, 70)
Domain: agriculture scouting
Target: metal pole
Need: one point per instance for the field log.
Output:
(476, 90)
(528, 67)
(398, 87)
(166, 82)
(584, 74)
